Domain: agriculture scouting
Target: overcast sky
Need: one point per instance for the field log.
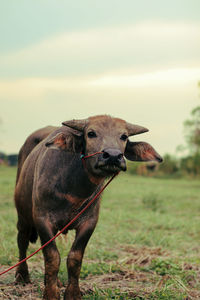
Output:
(138, 60)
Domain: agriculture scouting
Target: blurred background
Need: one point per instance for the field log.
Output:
(137, 60)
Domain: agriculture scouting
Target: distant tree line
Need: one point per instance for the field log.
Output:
(172, 167)
(9, 160)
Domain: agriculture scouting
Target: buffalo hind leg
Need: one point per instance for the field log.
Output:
(74, 260)
(22, 274)
(51, 261)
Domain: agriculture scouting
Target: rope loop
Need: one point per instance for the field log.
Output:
(90, 155)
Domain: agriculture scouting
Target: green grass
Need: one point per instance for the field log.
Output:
(138, 215)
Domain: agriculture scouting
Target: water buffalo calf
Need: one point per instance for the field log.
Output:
(53, 183)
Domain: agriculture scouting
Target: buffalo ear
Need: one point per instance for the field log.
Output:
(72, 142)
(141, 151)
(76, 124)
(57, 142)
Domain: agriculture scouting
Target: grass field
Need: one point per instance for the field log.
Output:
(146, 244)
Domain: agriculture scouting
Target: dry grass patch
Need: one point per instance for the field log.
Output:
(141, 273)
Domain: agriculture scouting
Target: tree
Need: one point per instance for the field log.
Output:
(192, 130)
(191, 163)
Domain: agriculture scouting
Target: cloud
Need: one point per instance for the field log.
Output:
(158, 78)
(36, 89)
(98, 50)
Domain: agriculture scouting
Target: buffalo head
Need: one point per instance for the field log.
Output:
(109, 136)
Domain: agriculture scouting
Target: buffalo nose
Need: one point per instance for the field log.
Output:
(112, 155)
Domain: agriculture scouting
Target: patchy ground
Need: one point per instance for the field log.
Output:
(160, 217)
(140, 273)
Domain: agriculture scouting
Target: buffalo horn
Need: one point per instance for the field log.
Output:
(135, 129)
(76, 124)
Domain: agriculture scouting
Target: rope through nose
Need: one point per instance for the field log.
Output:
(87, 156)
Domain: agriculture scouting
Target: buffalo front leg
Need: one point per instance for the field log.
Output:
(51, 261)
(74, 260)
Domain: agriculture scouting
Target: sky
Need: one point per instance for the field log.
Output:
(62, 60)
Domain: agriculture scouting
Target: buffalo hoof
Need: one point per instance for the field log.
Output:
(72, 293)
(22, 277)
(51, 294)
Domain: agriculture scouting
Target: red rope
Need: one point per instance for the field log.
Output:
(87, 156)
(66, 226)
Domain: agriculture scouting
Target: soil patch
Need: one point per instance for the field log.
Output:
(133, 278)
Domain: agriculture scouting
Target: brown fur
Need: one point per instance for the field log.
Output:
(31, 142)
(52, 263)
(75, 201)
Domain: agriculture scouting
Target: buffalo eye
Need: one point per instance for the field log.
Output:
(92, 134)
(124, 137)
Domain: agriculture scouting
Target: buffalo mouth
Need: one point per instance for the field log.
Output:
(111, 168)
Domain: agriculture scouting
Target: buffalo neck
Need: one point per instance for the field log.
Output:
(75, 179)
